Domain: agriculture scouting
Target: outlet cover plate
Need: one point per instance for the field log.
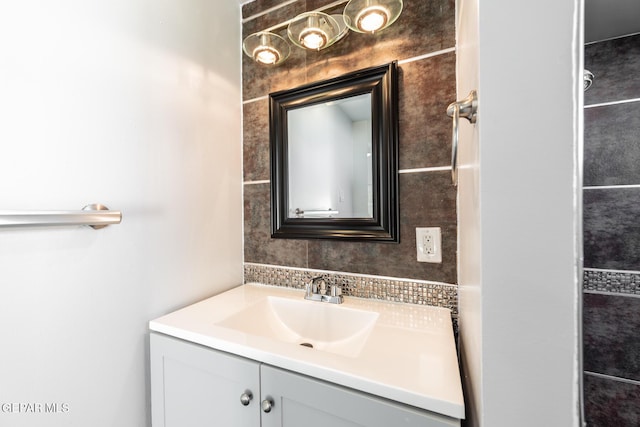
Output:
(429, 244)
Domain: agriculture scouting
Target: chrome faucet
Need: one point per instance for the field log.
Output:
(316, 290)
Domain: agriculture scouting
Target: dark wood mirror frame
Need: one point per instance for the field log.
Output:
(382, 83)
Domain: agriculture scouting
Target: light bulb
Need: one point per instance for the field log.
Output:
(266, 48)
(266, 55)
(372, 19)
(313, 38)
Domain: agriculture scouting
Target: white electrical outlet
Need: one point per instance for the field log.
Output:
(428, 244)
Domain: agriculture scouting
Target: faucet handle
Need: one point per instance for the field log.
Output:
(313, 288)
(322, 286)
(336, 290)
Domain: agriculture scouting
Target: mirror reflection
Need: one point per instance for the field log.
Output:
(330, 159)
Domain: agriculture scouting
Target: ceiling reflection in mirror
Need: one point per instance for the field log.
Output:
(329, 156)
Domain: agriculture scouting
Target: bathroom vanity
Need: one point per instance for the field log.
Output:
(264, 356)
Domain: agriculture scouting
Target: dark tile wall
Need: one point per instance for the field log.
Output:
(615, 64)
(609, 402)
(427, 86)
(611, 309)
(610, 335)
(612, 152)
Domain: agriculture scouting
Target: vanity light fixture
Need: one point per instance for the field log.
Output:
(266, 48)
(369, 16)
(317, 30)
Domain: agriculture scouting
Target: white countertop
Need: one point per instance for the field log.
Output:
(409, 356)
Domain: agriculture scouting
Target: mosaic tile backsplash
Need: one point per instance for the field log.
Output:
(387, 289)
(617, 282)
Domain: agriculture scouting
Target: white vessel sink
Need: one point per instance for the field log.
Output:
(317, 325)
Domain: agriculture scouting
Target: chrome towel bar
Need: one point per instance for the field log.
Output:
(467, 108)
(96, 216)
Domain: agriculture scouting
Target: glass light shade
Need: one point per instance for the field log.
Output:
(369, 16)
(266, 48)
(316, 30)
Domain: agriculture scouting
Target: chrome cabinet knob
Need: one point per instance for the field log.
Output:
(267, 404)
(245, 398)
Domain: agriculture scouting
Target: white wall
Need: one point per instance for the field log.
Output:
(313, 149)
(134, 104)
(520, 212)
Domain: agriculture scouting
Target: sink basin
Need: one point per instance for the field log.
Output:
(321, 326)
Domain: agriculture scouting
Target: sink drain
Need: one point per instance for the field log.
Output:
(306, 344)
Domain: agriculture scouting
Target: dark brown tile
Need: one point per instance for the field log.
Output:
(258, 6)
(426, 200)
(611, 344)
(260, 80)
(611, 228)
(612, 144)
(616, 66)
(609, 402)
(259, 247)
(423, 27)
(426, 88)
(256, 140)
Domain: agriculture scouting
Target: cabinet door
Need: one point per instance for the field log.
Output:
(302, 401)
(193, 386)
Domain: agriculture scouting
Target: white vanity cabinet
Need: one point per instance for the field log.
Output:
(192, 385)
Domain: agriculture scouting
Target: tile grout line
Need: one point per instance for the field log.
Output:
(431, 169)
(612, 378)
(611, 38)
(606, 104)
(401, 171)
(607, 270)
(610, 187)
(427, 55)
(611, 294)
(267, 11)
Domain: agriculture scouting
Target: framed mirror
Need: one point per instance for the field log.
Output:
(334, 158)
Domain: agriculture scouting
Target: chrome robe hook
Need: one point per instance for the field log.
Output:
(467, 108)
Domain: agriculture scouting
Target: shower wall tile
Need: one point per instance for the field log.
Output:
(426, 89)
(616, 66)
(611, 343)
(432, 206)
(259, 247)
(612, 229)
(611, 234)
(612, 144)
(255, 146)
(615, 282)
(609, 402)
